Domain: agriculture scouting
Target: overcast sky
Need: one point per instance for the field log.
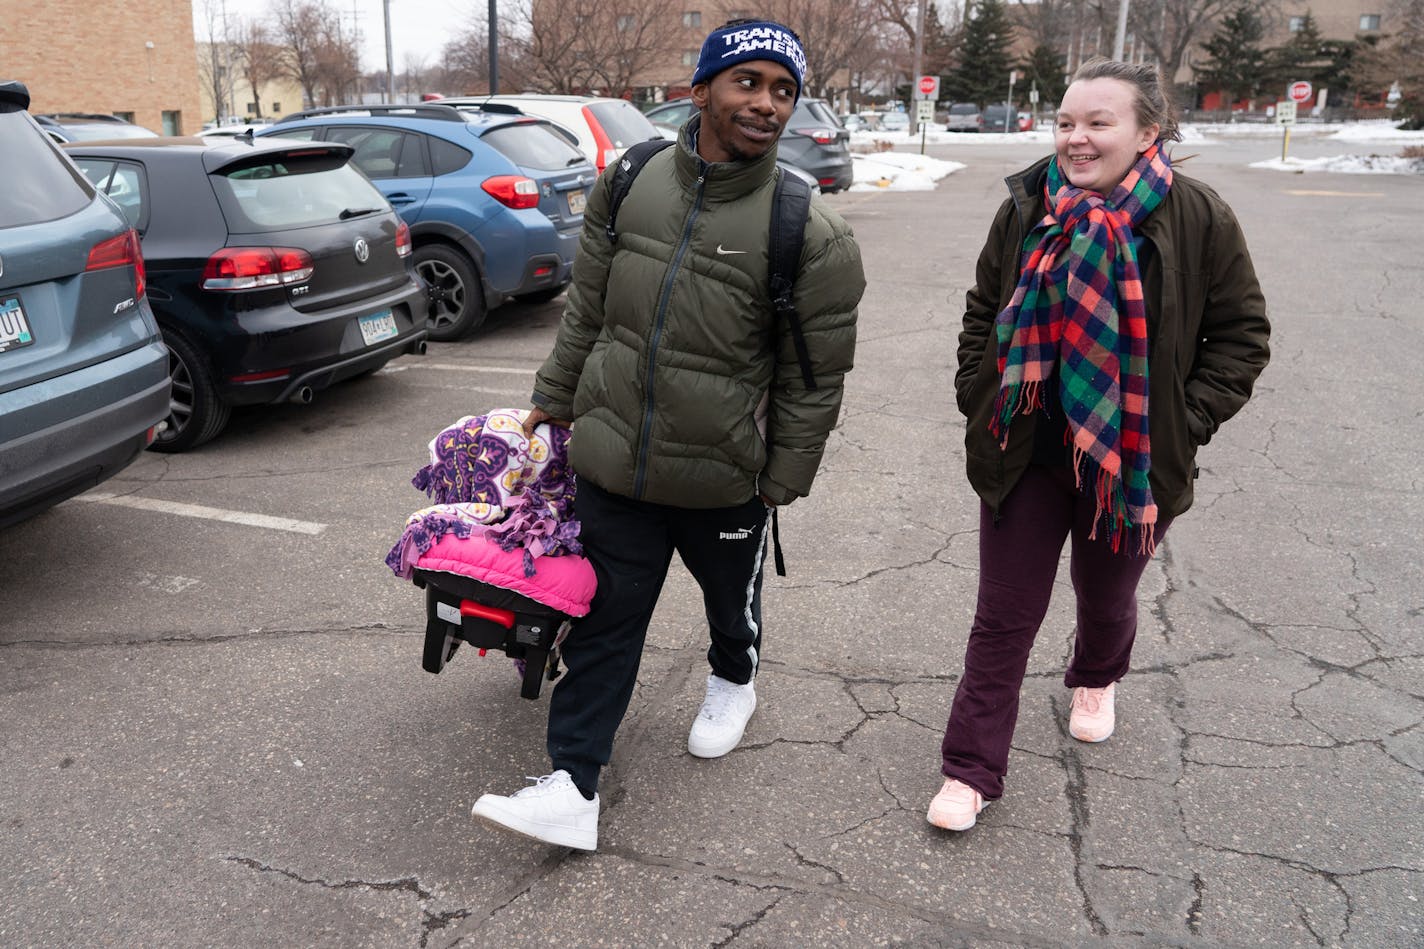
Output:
(418, 27)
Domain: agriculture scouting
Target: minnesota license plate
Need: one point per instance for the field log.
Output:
(378, 326)
(14, 329)
(577, 201)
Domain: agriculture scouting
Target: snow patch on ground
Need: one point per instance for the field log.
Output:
(1347, 165)
(899, 171)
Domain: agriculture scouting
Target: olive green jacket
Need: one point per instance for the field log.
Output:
(668, 355)
(1206, 327)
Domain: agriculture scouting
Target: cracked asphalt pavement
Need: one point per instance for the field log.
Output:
(217, 734)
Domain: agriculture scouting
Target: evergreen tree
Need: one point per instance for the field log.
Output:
(1300, 58)
(982, 75)
(1045, 70)
(1237, 67)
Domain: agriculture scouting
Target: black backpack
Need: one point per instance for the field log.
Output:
(790, 206)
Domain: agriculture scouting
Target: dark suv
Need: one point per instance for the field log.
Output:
(275, 269)
(494, 198)
(83, 372)
(815, 141)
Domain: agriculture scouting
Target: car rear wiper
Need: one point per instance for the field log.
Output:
(575, 161)
(349, 213)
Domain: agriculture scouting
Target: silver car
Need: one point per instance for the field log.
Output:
(83, 371)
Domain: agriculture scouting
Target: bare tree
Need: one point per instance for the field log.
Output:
(1169, 28)
(212, 58)
(588, 45)
(832, 33)
(338, 59)
(260, 58)
(297, 24)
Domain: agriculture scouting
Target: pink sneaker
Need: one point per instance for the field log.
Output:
(1093, 716)
(956, 806)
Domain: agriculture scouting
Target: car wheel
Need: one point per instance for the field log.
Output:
(541, 296)
(457, 299)
(196, 413)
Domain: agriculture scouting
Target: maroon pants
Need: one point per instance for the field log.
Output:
(1018, 559)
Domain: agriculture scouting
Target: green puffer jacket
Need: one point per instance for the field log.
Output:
(1207, 334)
(665, 358)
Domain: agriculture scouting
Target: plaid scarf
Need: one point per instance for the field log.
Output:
(1078, 307)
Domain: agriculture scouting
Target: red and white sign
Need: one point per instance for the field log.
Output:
(927, 87)
(1299, 91)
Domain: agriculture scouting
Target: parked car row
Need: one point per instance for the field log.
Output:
(493, 197)
(815, 141)
(968, 117)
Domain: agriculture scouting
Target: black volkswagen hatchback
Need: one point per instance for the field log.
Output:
(275, 269)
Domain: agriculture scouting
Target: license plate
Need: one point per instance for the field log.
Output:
(14, 330)
(577, 201)
(378, 326)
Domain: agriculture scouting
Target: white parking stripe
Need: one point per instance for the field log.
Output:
(208, 513)
(457, 367)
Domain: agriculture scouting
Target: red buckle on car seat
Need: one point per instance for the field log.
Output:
(494, 614)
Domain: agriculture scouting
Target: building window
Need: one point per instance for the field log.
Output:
(692, 18)
(126, 116)
(276, 107)
(172, 122)
(627, 22)
(1369, 21)
(689, 57)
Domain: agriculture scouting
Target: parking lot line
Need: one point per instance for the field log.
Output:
(207, 513)
(457, 367)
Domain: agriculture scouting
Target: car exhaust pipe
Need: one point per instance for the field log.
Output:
(417, 348)
(302, 395)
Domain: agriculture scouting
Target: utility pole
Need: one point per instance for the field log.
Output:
(494, 47)
(1120, 39)
(390, 66)
(919, 62)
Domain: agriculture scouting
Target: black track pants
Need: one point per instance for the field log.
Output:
(630, 544)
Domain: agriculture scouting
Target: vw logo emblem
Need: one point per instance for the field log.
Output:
(363, 250)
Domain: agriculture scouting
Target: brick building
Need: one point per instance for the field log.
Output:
(137, 61)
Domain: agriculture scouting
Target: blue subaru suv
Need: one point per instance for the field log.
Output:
(494, 198)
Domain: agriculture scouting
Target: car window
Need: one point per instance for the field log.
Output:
(40, 185)
(673, 114)
(534, 145)
(823, 112)
(446, 157)
(121, 181)
(413, 163)
(622, 123)
(302, 135)
(378, 151)
(289, 191)
(963, 108)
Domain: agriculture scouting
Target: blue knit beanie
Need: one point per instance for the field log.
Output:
(727, 46)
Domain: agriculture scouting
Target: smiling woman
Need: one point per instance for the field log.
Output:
(1055, 387)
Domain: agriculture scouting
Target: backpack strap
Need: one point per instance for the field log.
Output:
(629, 164)
(790, 206)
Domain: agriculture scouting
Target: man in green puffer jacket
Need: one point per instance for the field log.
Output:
(691, 417)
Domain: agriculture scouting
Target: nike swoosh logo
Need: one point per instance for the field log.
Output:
(722, 250)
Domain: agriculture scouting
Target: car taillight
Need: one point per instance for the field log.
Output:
(250, 268)
(121, 251)
(513, 191)
(403, 246)
(819, 136)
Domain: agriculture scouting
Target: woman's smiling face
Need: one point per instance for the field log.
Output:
(1097, 136)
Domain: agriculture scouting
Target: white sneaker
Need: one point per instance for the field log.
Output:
(722, 719)
(553, 810)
